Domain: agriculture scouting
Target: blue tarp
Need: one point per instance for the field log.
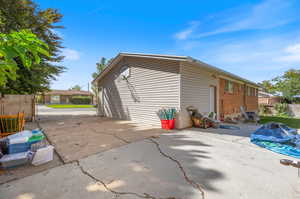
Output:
(278, 138)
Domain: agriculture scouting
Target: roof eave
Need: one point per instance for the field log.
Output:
(220, 71)
(171, 57)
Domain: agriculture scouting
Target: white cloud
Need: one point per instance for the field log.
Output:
(292, 54)
(256, 55)
(255, 58)
(70, 54)
(265, 15)
(184, 34)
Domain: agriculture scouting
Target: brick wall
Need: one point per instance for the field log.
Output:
(251, 99)
(230, 103)
(251, 103)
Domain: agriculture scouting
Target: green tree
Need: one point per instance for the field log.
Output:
(100, 66)
(288, 84)
(19, 47)
(16, 15)
(76, 88)
(268, 86)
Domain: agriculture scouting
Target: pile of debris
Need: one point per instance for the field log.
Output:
(25, 147)
(203, 121)
(210, 119)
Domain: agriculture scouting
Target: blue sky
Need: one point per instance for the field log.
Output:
(256, 39)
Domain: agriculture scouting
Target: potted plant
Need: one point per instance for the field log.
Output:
(167, 117)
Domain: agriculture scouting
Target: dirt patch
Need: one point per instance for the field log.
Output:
(78, 137)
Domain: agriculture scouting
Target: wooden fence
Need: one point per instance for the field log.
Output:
(12, 104)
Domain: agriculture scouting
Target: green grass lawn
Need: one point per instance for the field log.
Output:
(291, 122)
(70, 106)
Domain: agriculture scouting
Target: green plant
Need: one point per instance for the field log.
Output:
(39, 99)
(287, 84)
(166, 113)
(81, 100)
(75, 88)
(281, 109)
(16, 15)
(23, 46)
(263, 109)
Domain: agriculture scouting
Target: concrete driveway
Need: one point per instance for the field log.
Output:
(177, 165)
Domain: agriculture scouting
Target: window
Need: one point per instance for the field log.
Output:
(240, 88)
(251, 91)
(228, 86)
(248, 91)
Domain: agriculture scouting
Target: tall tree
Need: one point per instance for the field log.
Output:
(287, 84)
(76, 88)
(100, 66)
(16, 15)
(268, 86)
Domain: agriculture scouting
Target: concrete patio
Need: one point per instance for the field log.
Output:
(179, 164)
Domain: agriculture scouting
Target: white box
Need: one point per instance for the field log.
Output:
(43, 155)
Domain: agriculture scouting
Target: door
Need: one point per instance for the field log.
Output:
(212, 99)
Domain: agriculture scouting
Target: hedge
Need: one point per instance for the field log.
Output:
(81, 100)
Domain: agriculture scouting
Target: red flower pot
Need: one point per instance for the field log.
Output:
(167, 124)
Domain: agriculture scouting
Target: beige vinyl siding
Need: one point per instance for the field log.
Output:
(152, 84)
(195, 87)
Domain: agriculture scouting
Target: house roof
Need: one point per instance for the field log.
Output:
(68, 92)
(176, 58)
(264, 94)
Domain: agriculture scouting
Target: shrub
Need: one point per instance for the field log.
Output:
(281, 109)
(81, 100)
(39, 99)
(263, 109)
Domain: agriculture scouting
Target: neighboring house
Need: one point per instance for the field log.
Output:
(62, 96)
(268, 98)
(135, 86)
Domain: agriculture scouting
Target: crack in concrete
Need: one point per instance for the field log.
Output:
(190, 181)
(116, 193)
